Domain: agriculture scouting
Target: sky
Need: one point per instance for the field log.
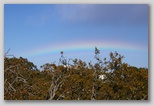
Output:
(39, 32)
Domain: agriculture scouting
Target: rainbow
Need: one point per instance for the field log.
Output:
(76, 46)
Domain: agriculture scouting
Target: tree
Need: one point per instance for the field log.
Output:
(16, 75)
(74, 79)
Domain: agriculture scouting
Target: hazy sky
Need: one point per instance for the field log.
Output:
(40, 32)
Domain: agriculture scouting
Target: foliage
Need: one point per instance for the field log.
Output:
(76, 81)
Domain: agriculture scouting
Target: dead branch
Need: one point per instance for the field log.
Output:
(56, 84)
(7, 55)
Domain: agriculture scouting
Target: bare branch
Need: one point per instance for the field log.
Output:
(11, 67)
(7, 52)
(11, 87)
(56, 84)
(7, 55)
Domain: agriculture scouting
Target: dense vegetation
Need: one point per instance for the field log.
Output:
(74, 79)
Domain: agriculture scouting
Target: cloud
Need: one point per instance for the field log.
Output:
(108, 14)
(104, 13)
(76, 12)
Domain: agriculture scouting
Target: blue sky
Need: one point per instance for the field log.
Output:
(40, 32)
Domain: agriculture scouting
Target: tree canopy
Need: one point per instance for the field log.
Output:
(75, 79)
